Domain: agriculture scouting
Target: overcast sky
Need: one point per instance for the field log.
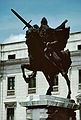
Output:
(56, 11)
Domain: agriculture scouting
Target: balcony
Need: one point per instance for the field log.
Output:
(10, 92)
(31, 90)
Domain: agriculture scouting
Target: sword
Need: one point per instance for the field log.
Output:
(26, 24)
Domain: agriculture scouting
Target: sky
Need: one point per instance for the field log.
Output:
(56, 11)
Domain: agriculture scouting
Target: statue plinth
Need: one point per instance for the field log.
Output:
(45, 107)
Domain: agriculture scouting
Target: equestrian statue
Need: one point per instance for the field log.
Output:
(46, 52)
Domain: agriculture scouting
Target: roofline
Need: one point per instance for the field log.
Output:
(75, 33)
(12, 43)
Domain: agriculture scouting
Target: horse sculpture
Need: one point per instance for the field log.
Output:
(46, 52)
(42, 57)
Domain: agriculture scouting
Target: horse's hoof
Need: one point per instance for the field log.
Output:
(48, 93)
(72, 101)
(69, 96)
(26, 80)
(32, 76)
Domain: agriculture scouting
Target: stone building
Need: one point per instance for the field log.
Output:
(13, 88)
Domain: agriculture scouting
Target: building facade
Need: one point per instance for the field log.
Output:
(13, 88)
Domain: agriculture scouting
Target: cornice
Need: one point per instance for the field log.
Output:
(14, 61)
(75, 53)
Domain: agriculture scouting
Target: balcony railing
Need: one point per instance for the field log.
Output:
(10, 92)
(79, 86)
(55, 88)
(31, 90)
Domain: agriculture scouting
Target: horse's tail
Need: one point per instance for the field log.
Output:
(69, 57)
(66, 59)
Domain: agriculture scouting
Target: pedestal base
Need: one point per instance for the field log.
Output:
(43, 107)
(55, 113)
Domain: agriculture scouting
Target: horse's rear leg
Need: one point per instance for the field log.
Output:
(68, 84)
(50, 82)
(50, 89)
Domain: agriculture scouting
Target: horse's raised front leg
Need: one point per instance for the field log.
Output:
(29, 67)
(23, 67)
(68, 84)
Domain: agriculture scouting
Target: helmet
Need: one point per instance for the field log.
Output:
(44, 21)
(36, 26)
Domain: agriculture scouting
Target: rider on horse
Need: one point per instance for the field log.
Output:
(45, 47)
(52, 48)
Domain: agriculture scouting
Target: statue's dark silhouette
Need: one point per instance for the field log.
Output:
(46, 52)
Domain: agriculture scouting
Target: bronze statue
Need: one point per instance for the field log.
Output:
(46, 52)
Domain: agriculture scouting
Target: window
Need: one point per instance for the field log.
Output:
(29, 114)
(79, 47)
(10, 113)
(79, 79)
(11, 86)
(55, 82)
(10, 57)
(32, 86)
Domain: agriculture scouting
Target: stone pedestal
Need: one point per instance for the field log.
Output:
(45, 107)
